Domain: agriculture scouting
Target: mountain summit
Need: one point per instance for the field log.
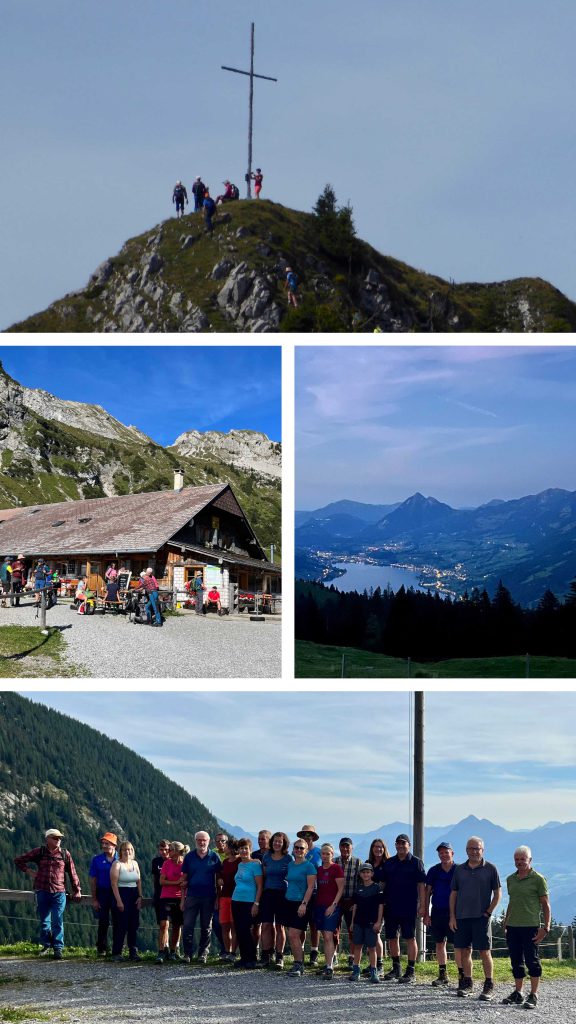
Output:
(176, 278)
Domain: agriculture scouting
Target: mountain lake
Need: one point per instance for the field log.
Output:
(361, 576)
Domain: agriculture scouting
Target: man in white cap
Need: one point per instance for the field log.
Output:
(52, 866)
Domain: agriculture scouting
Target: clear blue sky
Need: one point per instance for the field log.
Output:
(161, 390)
(447, 124)
(461, 424)
(255, 767)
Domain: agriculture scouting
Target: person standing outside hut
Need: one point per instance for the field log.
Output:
(196, 590)
(221, 848)
(52, 866)
(475, 894)
(101, 889)
(149, 583)
(18, 577)
(438, 888)
(351, 868)
(5, 576)
(526, 923)
(405, 880)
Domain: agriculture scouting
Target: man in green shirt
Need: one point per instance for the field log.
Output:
(528, 904)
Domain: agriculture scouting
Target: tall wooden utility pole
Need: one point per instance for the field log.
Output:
(251, 75)
(419, 801)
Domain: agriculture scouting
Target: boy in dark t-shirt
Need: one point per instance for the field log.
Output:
(367, 913)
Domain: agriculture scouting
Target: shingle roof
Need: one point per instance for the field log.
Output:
(129, 523)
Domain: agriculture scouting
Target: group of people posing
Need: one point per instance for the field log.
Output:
(252, 898)
(203, 201)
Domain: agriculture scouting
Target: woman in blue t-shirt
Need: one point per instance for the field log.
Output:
(245, 903)
(275, 863)
(300, 878)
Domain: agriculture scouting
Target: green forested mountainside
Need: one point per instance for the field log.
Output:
(57, 772)
(175, 277)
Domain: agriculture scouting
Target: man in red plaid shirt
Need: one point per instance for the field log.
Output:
(53, 864)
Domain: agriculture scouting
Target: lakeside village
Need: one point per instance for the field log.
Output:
(195, 541)
(429, 576)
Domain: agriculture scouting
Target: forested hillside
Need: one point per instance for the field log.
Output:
(57, 772)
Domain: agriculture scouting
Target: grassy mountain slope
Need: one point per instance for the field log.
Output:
(57, 772)
(344, 285)
(44, 461)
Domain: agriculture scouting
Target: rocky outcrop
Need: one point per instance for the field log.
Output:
(246, 449)
(246, 300)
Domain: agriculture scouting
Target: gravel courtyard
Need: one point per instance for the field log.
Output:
(187, 646)
(80, 992)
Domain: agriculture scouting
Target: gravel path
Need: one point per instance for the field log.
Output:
(104, 992)
(187, 646)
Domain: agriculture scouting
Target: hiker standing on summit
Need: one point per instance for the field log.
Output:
(257, 178)
(180, 196)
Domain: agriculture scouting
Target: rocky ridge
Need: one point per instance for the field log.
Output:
(246, 449)
(174, 278)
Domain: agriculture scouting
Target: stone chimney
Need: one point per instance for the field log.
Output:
(178, 480)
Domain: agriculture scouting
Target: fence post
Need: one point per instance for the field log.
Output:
(560, 948)
(571, 952)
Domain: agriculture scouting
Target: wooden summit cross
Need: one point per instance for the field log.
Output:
(251, 75)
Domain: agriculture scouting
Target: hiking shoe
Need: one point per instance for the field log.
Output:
(296, 970)
(203, 958)
(514, 999)
(442, 979)
(394, 974)
(173, 957)
(186, 960)
(57, 954)
(328, 973)
(135, 957)
(351, 963)
(366, 972)
(279, 962)
(465, 986)
(355, 976)
(375, 980)
(159, 959)
(45, 951)
(266, 958)
(487, 990)
(313, 957)
(117, 959)
(531, 1001)
(408, 978)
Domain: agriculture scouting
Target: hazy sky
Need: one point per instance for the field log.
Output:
(461, 424)
(246, 756)
(162, 391)
(447, 124)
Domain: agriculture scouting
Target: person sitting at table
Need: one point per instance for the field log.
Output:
(87, 601)
(214, 598)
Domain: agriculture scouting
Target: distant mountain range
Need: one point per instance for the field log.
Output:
(552, 848)
(529, 542)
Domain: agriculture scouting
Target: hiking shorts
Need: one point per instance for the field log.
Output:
(473, 931)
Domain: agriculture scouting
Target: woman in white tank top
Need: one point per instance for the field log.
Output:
(127, 889)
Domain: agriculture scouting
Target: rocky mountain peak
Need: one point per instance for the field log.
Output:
(246, 449)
